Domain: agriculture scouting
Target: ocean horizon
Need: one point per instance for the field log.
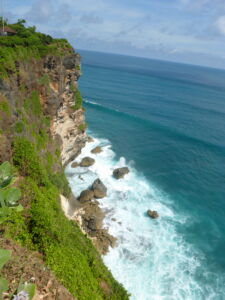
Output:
(165, 121)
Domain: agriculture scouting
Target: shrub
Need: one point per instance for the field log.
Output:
(78, 100)
(19, 127)
(4, 107)
(82, 127)
(26, 159)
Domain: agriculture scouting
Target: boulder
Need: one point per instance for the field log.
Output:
(120, 172)
(85, 196)
(99, 189)
(74, 164)
(87, 162)
(96, 150)
(152, 214)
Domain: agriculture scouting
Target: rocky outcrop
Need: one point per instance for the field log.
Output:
(152, 214)
(67, 122)
(89, 216)
(120, 172)
(99, 189)
(96, 150)
(87, 162)
(86, 196)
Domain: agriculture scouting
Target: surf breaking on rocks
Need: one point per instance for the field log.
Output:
(151, 259)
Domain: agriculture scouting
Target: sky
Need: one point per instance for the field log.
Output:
(188, 31)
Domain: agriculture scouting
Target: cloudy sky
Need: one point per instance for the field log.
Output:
(189, 31)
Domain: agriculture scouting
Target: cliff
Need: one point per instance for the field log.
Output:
(42, 128)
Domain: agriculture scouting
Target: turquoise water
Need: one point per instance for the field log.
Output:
(167, 122)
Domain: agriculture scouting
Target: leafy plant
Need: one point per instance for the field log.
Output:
(8, 195)
(6, 177)
(4, 258)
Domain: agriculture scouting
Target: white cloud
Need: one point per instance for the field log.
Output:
(220, 24)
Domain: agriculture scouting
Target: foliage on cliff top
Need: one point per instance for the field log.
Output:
(27, 43)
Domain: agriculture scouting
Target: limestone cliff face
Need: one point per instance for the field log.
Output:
(66, 124)
(52, 78)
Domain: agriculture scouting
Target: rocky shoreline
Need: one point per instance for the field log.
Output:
(86, 211)
(67, 129)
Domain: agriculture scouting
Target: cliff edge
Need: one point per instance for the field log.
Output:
(42, 128)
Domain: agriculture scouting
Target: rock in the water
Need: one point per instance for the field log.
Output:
(99, 189)
(90, 139)
(85, 196)
(87, 162)
(152, 214)
(120, 172)
(96, 150)
(74, 164)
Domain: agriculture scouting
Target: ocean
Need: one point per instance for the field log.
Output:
(166, 122)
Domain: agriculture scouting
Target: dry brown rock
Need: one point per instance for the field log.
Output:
(87, 162)
(85, 196)
(96, 150)
(120, 172)
(153, 214)
(99, 189)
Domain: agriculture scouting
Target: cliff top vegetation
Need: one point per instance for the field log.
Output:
(27, 43)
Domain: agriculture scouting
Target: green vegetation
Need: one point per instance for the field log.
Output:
(27, 44)
(78, 100)
(9, 195)
(24, 288)
(33, 103)
(40, 224)
(44, 80)
(4, 258)
(19, 127)
(69, 254)
(32, 184)
(82, 127)
(4, 107)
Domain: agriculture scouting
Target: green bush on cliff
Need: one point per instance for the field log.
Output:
(67, 251)
(78, 100)
(26, 159)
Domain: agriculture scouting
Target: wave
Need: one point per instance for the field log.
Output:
(166, 130)
(152, 260)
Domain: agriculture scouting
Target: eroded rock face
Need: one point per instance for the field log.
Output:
(71, 61)
(153, 214)
(87, 162)
(67, 121)
(96, 150)
(99, 189)
(120, 172)
(85, 196)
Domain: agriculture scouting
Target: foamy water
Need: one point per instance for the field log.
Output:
(151, 260)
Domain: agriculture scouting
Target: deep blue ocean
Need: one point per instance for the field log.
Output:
(167, 122)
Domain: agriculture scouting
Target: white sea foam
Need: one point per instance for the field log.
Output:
(152, 260)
